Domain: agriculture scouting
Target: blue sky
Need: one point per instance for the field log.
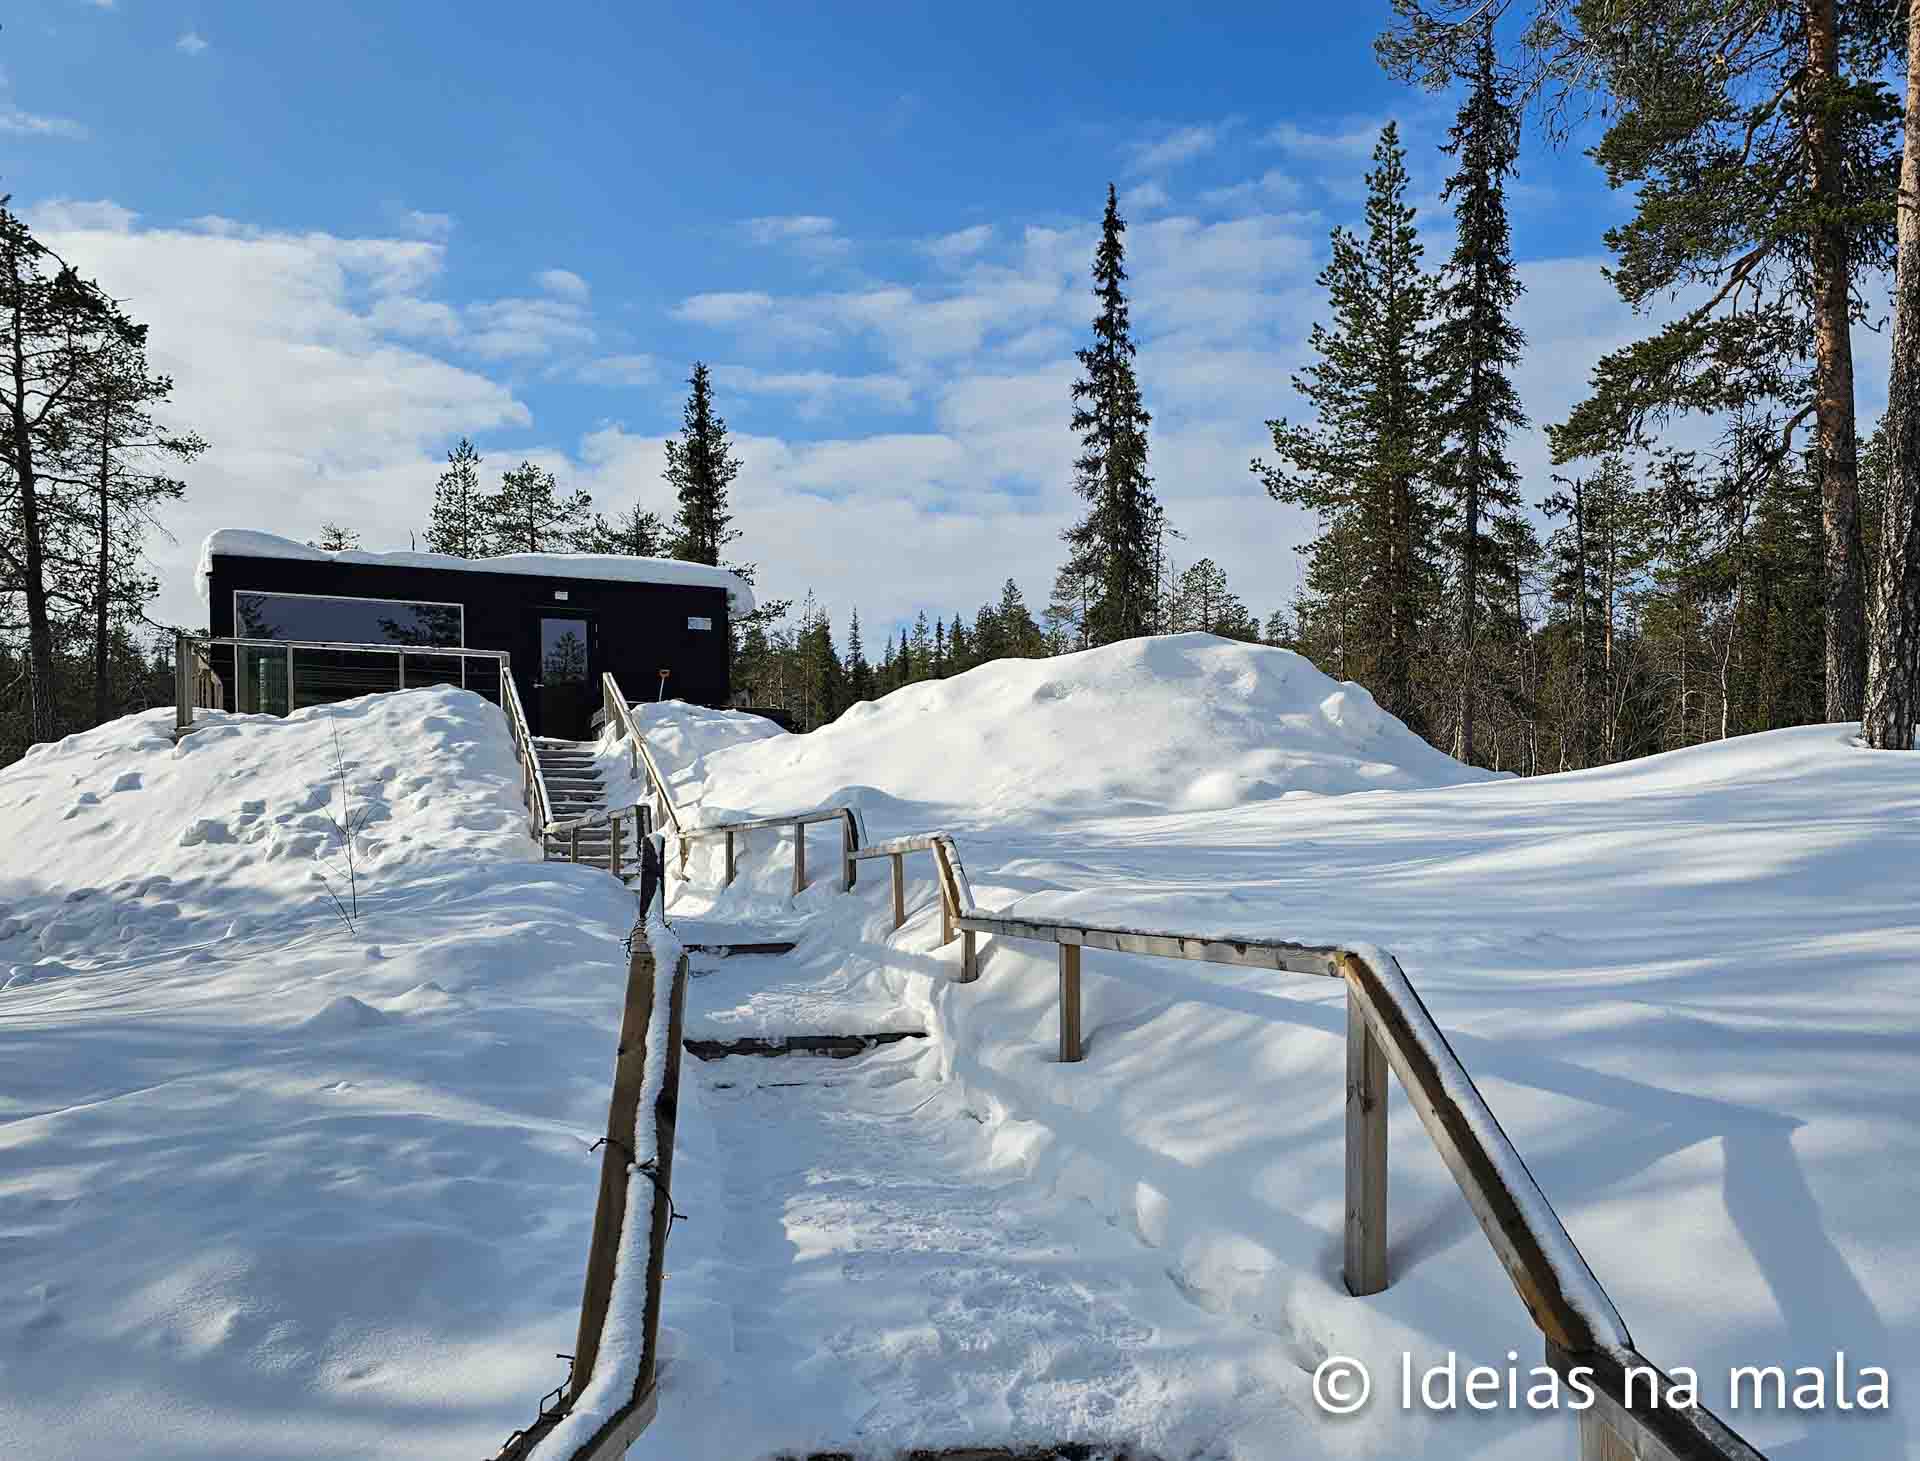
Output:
(360, 230)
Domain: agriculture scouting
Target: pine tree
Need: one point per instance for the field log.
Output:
(458, 526)
(1367, 465)
(639, 533)
(1069, 611)
(76, 449)
(1202, 602)
(1114, 544)
(529, 515)
(119, 459)
(1476, 346)
(1759, 145)
(700, 470)
(335, 539)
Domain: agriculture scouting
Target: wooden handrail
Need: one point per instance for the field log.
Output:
(642, 1113)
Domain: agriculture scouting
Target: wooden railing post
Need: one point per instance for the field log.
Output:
(613, 846)
(1366, 1265)
(183, 696)
(1069, 1003)
(730, 862)
(799, 858)
(847, 873)
(899, 861)
(969, 958)
(573, 847)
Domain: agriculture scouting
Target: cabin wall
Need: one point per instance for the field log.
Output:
(641, 628)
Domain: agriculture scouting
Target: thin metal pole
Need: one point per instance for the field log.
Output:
(799, 857)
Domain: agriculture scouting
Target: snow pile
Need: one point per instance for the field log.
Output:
(680, 737)
(612, 567)
(299, 1191)
(1181, 723)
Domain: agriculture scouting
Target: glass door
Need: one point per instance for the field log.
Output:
(563, 691)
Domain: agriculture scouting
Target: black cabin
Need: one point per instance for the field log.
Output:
(562, 619)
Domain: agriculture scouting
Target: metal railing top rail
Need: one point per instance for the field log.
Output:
(440, 651)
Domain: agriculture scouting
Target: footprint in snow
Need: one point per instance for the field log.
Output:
(127, 781)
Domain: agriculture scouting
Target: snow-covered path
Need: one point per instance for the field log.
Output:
(886, 1276)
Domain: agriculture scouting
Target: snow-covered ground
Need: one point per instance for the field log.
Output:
(264, 1191)
(269, 1188)
(1688, 986)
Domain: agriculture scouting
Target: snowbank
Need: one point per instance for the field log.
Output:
(613, 567)
(270, 1187)
(1180, 723)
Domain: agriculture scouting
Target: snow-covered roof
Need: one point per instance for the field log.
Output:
(611, 567)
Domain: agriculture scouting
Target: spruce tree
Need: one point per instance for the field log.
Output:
(860, 684)
(1367, 465)
(1476, 346)
(1114, 543)
(458, 526)
(700, 470)
(1020, 637)
(335, 539)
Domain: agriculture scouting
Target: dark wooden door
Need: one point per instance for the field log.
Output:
(563, 693)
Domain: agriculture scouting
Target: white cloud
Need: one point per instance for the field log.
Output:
(808, 234)
(281, 357)
(435, 226)
(724, 309)
(564, 283)
(1350, 141)
(959, 246)
(1272, 186)
(17, 122)
(1144, 198)
(619, 370)
(518, 329)
(817, 390)
(1180, 145)
(190, 43)
(62, 215)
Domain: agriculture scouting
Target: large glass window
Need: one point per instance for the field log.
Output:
(275, 681)
(347, 621)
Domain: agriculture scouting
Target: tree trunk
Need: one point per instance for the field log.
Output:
(1833, 380)
(40, 724)
(1893, 684)
(100, 696)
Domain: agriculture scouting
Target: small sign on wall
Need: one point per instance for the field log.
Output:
(694, 621)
